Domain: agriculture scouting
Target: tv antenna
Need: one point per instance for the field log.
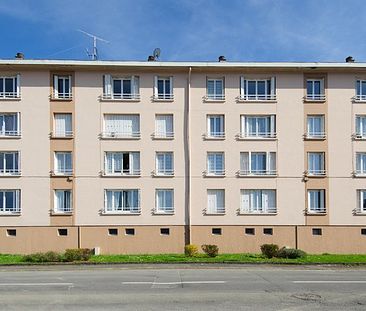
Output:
(94, 54)
(156, 53)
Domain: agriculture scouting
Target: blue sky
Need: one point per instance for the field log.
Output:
(242, 30)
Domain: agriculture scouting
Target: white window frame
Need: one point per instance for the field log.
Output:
(134, 167)
(216, 95)
(9, 133)
(16, 159)
(65, 93)
(360, 126)
(360, 164)
(213, 156)
(321, 170)
(122, 135)
(108, 88)
(67, 206)
(16, 209)
(67, 171)
(164, 209)
(218, 207)
(361, 196)
(358, 90)
(66, 133)
(165, 171)
(247, 205)
(165, 95)
(310, 120)
(316, 208)
(271, 164)
(15, 94)
(312, 96)
(166, 133)
(270, 89)
(123, 209)
(245, 128)
(213, 133)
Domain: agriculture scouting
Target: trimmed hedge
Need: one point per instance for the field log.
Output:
(210, 250)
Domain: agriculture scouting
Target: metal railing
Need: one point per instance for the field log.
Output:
(257, 135)
(58, 95)
(267, 210)
(129, 172)
(63, 211)
(121, 96)
(258, 97)
(163, 96)
(10, 211)
(209, 173)
(315, 173)
(10, 133)
(166, 135)
(218, 211)
(123, 210)
(360, 210)
(163, 172)
(257, 173)
(215, 97)
(120, 135)
(214, 135)
(315, 135)
(360, 97)
(320, 210)
(62, 172)
(315, 97)
(359, 173)
(10, 172)
(65, 134)
(9, 95)
(165, 210)
(359, 136)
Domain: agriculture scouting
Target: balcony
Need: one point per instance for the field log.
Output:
(256, 136)
(259, 211)
(163, 97)
(256, 173)
(257, 98)
(214, 173)
(316, 211)
(10, 96)
(315, 98)
(120, 135)
(121, 97)
(122, 173)
(12, 172)
(10, 134)
(315, 136)
(214, 136)
(64, 134)
(164, 135)
(163, 173)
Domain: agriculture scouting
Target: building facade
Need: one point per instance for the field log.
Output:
(145, 157)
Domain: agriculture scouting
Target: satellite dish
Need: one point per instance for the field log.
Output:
(156, 53)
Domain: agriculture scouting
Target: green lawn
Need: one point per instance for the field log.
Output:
(222, 258)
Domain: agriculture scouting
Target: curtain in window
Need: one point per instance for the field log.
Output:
(361, 163)
(163, 125)
(135, 162)
(361, 125)
(63, 125)
(215, 200)
(107, 86)
(244, 162)
(122, 124)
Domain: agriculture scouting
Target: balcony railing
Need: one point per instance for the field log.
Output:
(214, 135)
(163, 96)
(121, 96)
(217, 211)
(359, 136)
(320, 173)
(257, 97)
(163, 135)
(121, 135)
(9, 95)
(10, 172)
(315, 97)
(360, 98)
(133, 210)
(122, 173)
(214, 97)
(11, 211)
(315, 135)
(257, 135)
(65, 134)
(62, 172)
(63, 211)
(244, 173)
(163, 172)
(11, 133)
(359, 173)
(315, 211)
(164, 211)
(64, 96)
(259, 211)
(214, 173)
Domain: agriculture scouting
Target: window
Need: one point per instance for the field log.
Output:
(363, 231)
(164, 231)
(216, 231)
(316, 166)
(62, 125)
(9, 163)
(360, 90)
(9, 124)
(257, 163)
(10, 87)
(63, 201)
(258, 201)
(122, 201)
(164, 126)
(215, 164)
(215, 201)
(163, 88)
(316, 201)
(315, 127)
(122, 163)
(63, 163)
(121, 88)
(268, 231)
(9, 201)
(315, 89)
(11, 232)
(164, 201)
(215, 126)
(130, 231)
(261, 89)
(360, 126)
(361, 201)
(249, 231)
(317, 231)
(113, 231)
(360, 163)
(164, 163)
(62, 232)
(121, 126)
(215, 89)
(258, 126)
(62, 87)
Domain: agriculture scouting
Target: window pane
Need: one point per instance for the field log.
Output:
(9, 85)
(210, 87)
(117, 88)
(9, 200)
(309, 87)
(126, 86)
(363, 88)
(160, 86)
(252, 87)
(261, 87)
(317, 90)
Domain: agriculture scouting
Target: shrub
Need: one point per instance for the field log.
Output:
(190, 250)
(290, 253)
(77, 254)
(269, 250)
(210, 250)
(43, 257)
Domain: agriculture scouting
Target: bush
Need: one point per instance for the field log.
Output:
(43, 257)
(190, 250)
(210, 250)
(269, 250)
(77, 254)
(290, 253)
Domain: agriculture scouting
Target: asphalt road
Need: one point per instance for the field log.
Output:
(182, 287)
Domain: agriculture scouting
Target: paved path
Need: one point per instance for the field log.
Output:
(182, 287)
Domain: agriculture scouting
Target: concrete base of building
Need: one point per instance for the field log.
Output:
(171, 239)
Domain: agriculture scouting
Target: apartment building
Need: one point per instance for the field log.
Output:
(145, 157)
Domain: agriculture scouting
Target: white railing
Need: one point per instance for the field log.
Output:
(58, 95)
(315, 97)
(320, 210)
(163, 172)
(65, 134)
(360, 98)
(63, 211)
(210, 173)
(257, 173)
(359, 173)
(166, 135)
(134, 172)
(123, 210)
(9, 95)
(267, 210)
(257, 135)
(165, 210)
(5, 133)
(163, 96)
(315, 173)
(10, 211)
(121, 96)
(10, 172)
(215, 97)
(257, 97)
(121, 135)
(214, 135)
(217, 211)
(359, 136)
(62, 172)
(315, 135)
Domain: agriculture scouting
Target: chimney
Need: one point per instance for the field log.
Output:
(350, 59)
(151, 58)
(222, 58)
(19, 56)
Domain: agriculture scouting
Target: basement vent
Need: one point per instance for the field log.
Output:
(11, 232)
(62, 232)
